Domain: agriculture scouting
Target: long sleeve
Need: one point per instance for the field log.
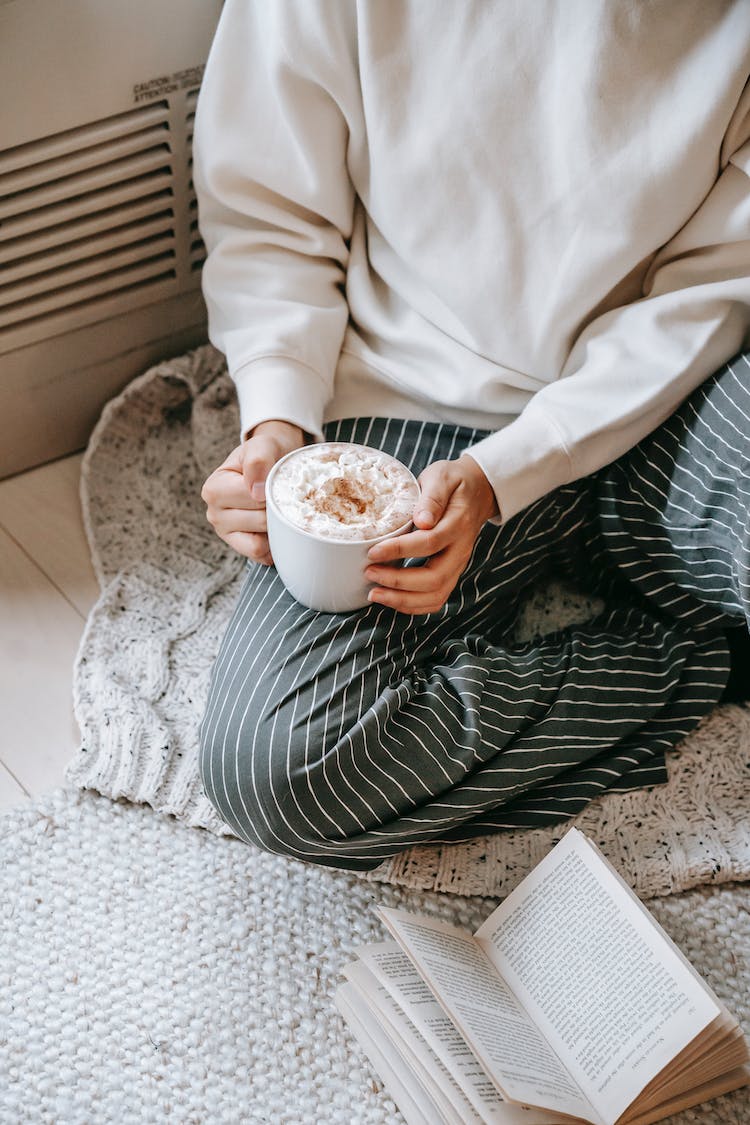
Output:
(631, 367)
(276, 202)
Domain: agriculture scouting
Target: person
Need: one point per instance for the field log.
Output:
(510, 245)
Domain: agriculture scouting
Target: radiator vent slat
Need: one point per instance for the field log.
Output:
(81, 314)
(137, 238)
(59, 281)
(81, 183)
(160, 266)
(91, 203)
(97, 220)
(191, 101)
(85, 136)
(198, 255)
(89, 226)
(60, 168)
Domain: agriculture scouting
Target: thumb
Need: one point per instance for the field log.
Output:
(436, 490)
(259, 455)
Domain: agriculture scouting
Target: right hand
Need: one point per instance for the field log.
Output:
(234, 494)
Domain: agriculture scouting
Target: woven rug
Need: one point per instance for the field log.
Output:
(149, 974)
(168, 589)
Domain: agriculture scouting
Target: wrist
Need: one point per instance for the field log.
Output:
(288, 433)
(487, 501)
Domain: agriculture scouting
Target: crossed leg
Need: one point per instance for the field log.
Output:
(342, 739)
(674, 513)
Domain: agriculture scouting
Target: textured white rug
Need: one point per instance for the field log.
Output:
(150, 974)
(168, 588)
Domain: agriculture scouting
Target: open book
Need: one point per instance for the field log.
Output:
(570, 1001)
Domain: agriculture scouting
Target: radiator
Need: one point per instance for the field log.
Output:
(100, 254)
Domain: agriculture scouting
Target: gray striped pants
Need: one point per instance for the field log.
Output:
(342, 739)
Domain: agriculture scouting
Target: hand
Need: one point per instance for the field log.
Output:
(235, 495)
(456, 501)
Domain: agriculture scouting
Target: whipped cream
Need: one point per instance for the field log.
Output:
(337, 490)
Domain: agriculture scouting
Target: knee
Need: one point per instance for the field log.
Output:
(260, 769)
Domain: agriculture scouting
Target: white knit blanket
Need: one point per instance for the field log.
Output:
(168, 588)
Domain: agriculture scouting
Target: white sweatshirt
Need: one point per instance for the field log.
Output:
(530, 216)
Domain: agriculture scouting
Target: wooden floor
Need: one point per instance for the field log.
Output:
(47, 587)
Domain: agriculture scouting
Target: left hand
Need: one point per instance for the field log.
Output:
(456, 502)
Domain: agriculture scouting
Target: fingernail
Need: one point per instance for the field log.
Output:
(258, 490)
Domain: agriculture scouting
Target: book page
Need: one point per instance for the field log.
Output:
(390, 966)
(733, 1080)
(428, 1070)
(416, 1106)
(496, 1026)
(596, 973)
(713, 1054)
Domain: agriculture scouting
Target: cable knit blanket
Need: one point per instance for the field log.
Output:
(168, 587)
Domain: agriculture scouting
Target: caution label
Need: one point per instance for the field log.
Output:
(164, 84)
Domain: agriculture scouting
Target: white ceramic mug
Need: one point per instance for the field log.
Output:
(320, 572)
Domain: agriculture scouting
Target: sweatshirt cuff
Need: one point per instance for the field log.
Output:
(277, 387)
(523, 462)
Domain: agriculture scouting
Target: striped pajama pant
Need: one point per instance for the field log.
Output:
(343, 738)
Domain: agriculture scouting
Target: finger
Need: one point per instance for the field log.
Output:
(253, 547)
(437, 485)
(233, 461)
(413, 604)
(259, 455)
(226, 520)
(439, 574)
(414, 544)
(227, 488)
(435, 582)
(414, 578)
